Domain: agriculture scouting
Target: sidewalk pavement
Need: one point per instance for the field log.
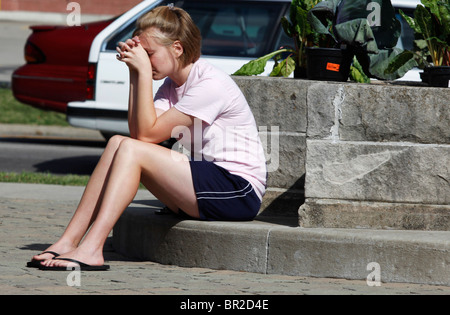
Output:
(33, 216)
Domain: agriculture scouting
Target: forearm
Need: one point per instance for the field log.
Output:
(141, 110)
(131, 105)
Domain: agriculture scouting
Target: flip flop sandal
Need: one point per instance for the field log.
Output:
(82, 266)
(37, 263)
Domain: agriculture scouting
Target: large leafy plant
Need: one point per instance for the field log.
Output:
(332, 23)
(370, 30)
(287, 59)
(431, 25)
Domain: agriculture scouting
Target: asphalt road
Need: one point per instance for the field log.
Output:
(49, 155)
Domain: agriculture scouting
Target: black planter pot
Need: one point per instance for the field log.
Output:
(328, 64)
(436, 76)
(300, 73)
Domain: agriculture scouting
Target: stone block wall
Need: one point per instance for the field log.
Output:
(280, 109)
(355, 155)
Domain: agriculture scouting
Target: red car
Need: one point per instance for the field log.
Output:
(57, 69)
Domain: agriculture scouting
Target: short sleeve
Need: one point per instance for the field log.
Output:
(204, 100)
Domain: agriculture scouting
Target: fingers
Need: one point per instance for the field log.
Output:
(124, 47)
(133, 54)
(137, 40)
(121, 53)
(129, 44)
(132, 42)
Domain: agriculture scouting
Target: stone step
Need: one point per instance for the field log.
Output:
(272, 246)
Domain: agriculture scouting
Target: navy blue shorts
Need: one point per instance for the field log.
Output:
(222, 196)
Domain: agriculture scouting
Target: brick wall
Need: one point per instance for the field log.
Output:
(110, 7)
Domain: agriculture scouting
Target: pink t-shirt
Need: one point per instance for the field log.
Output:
(224, 131)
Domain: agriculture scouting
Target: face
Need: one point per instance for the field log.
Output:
(164, 59)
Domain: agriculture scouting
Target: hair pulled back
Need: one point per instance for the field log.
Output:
(173, 24)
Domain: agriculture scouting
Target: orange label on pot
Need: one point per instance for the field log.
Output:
(333, 67)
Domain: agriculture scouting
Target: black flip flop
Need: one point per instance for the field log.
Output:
(37, 263)
(82, 266)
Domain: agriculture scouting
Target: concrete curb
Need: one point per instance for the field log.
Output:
(272, 248)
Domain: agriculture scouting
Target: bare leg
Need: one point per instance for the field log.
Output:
(88, 207)
(168, 178)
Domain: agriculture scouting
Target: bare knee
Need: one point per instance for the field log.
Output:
(115, 141)
(127, 148)
(141, 154)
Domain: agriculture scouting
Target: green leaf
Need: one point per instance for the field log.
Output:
(317, 24)
(284, 68)
(304, 4)
(358, 33)
(320, 17)
(421, 44)
(293, 12)
(411, 22)
(444, 10)
(389, 59)
(432, 5)
(257, 66)
(309, 4)
(287, 27)
(441, 12)
(357, 73)
(438, 41)
(401, 64)
(303, 26)
(424, 22)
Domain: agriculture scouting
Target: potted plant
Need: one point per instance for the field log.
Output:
(431, 25)
(340, 28)
(330, 59)
(289, 59)
(370, 31)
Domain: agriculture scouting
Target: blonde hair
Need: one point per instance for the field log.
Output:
(173, 24)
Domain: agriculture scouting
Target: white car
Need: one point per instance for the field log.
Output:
(234, 32)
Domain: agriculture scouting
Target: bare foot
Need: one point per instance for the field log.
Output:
(78, 255)
(53, 251)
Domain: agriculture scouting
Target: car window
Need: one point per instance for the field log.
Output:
(229, 28)
(122, 35)
(124, 32)
(242, 29)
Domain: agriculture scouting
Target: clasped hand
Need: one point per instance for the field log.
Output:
(133, 54)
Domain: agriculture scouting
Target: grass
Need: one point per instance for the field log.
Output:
(14, 112)
(43, 178)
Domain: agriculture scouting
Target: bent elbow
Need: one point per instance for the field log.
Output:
(148, 138)
(145, 139)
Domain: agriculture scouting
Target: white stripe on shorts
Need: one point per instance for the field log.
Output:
(244, 193)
